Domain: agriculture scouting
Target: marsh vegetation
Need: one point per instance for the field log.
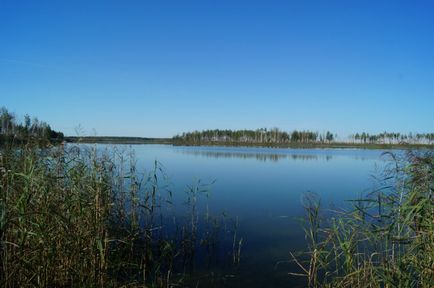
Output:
(75, 216)
(385, 239)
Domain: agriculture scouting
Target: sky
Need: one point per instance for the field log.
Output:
(158, 68)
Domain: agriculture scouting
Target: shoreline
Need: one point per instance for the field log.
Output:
(168, 141)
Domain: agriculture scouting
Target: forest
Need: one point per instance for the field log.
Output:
(263, 135)
(277, 136)
(32, 129)
(393, 138)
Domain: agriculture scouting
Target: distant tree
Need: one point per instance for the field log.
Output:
(329, 136)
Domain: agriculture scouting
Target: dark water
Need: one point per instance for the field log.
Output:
(263, 187)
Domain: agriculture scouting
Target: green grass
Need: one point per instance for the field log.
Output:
(385, 240)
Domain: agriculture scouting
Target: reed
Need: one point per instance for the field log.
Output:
(79, 216)
(385, 240)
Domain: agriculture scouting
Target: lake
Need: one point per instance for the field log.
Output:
(263, 188)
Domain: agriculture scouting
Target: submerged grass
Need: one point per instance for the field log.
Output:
(385, 240)
(77, 216)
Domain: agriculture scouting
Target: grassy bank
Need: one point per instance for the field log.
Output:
(385, 240)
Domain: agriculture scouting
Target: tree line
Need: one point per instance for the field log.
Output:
(11, 129)
(262, 136)
(278, 137)
(393, 138)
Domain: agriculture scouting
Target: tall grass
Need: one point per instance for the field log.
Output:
(385, 240)
(77, 216)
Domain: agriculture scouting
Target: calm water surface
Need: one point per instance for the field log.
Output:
(263, 187)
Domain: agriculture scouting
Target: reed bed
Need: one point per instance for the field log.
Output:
(386, 239)
(77, 216)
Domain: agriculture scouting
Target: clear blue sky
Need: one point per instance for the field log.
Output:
(156, 68)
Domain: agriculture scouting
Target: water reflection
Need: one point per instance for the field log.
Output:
(262, 188)
(263, 157)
